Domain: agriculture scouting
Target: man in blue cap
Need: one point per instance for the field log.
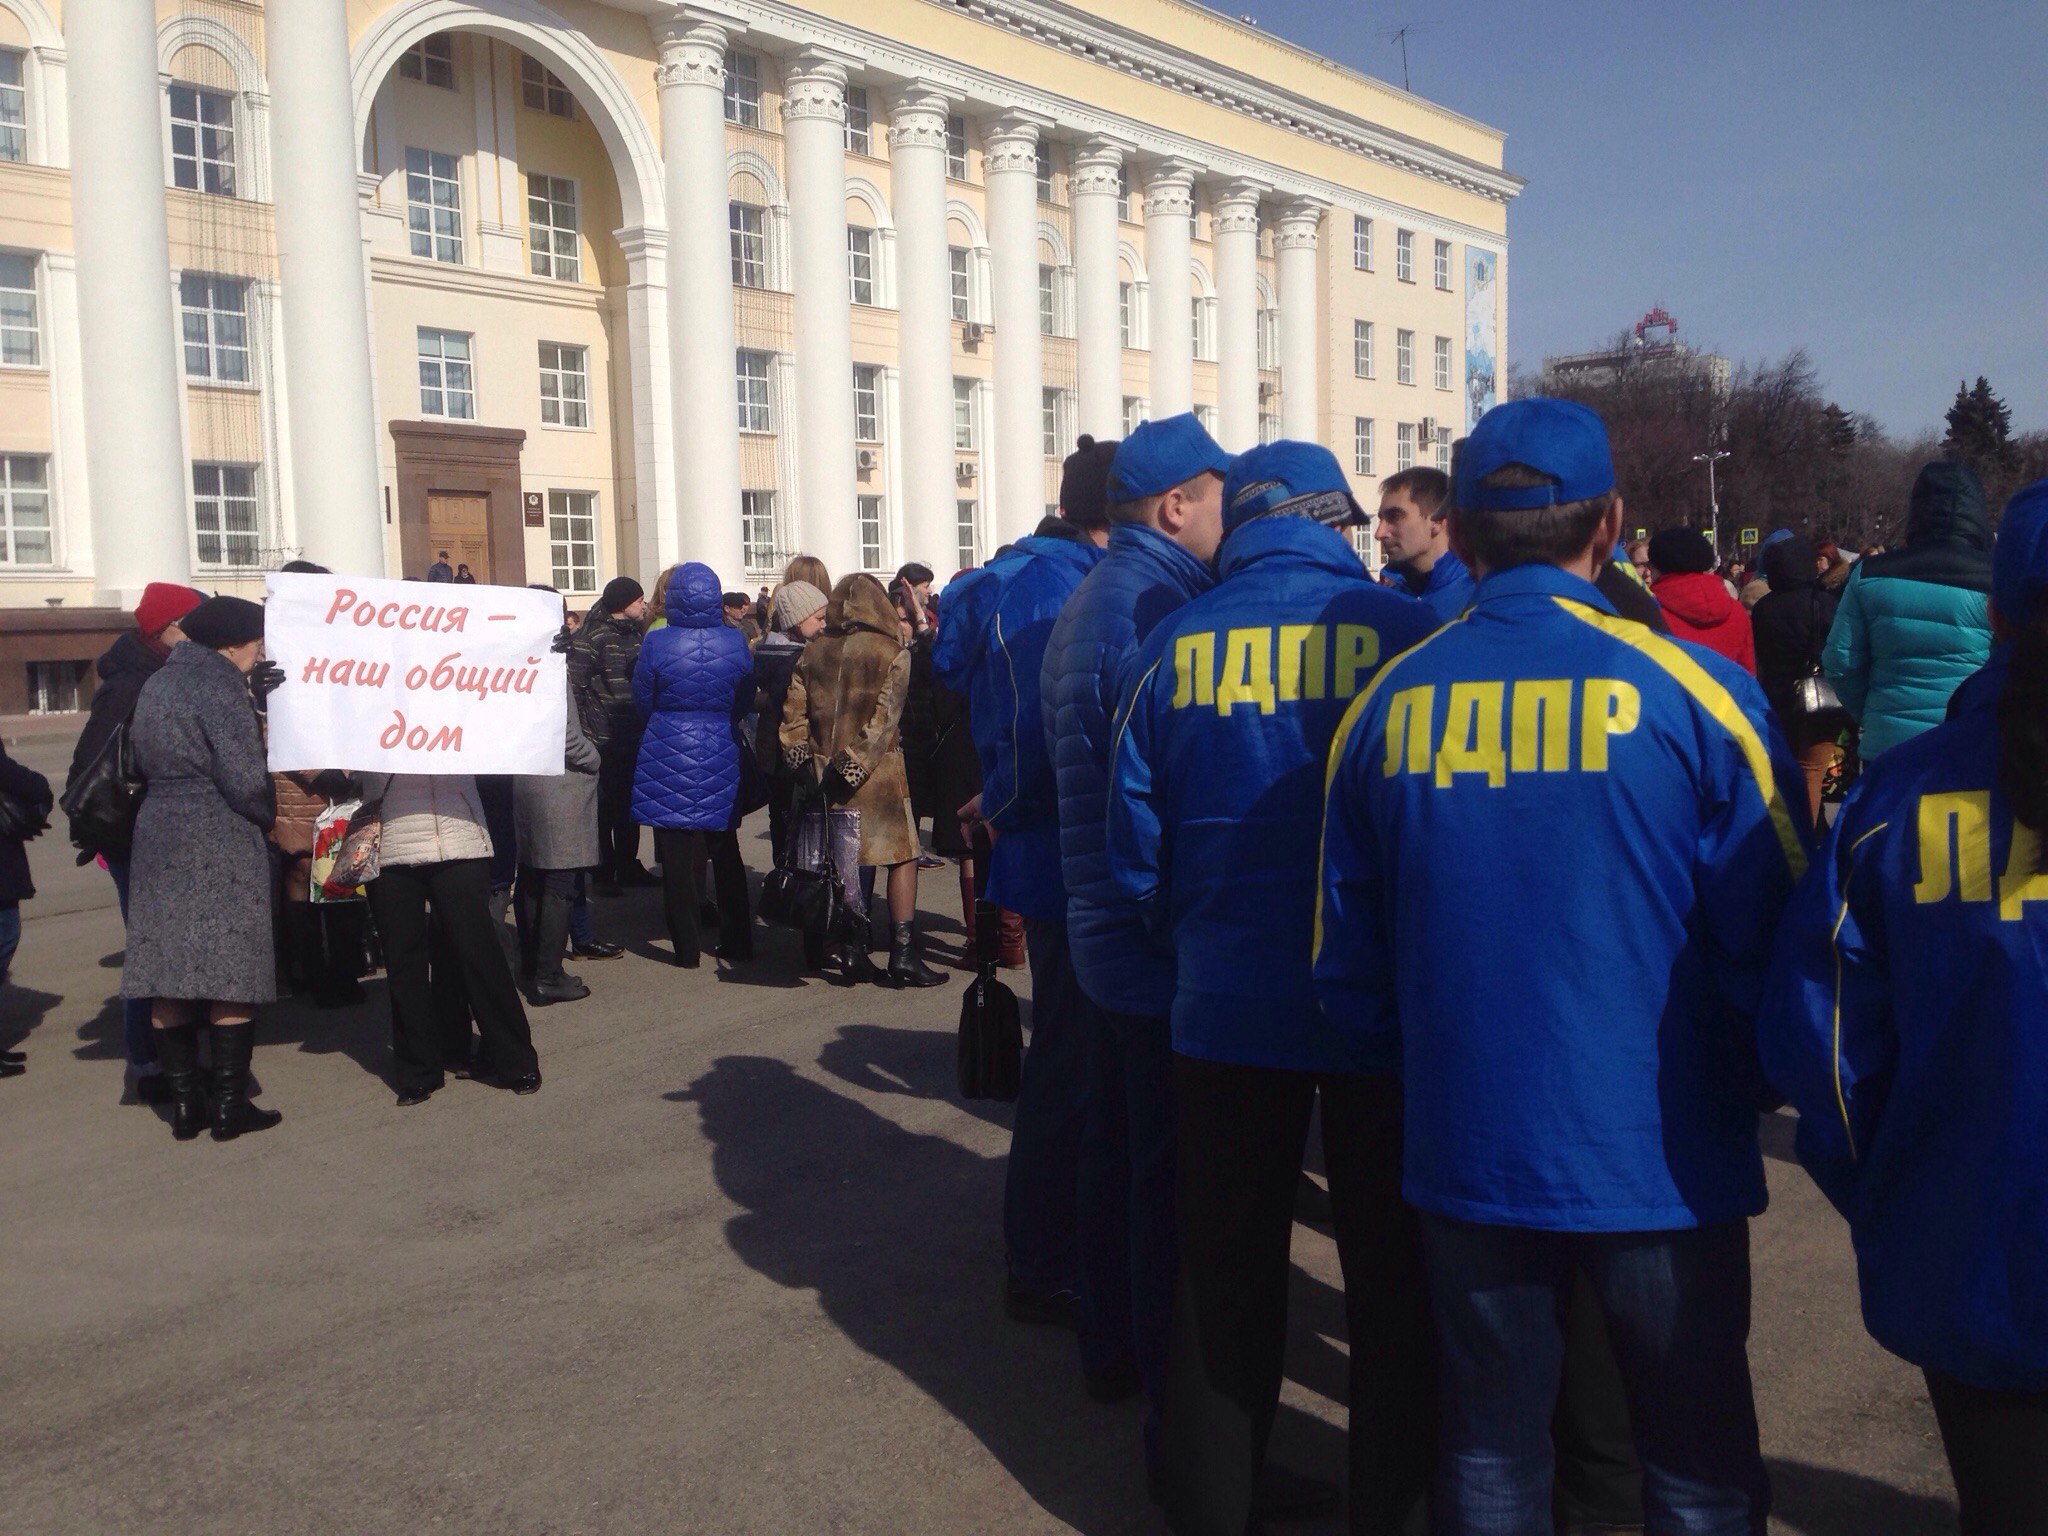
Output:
(1215, 807)
(1616, 821)
(1165, 504)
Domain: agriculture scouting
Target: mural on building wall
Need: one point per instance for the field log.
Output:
(1482, 347)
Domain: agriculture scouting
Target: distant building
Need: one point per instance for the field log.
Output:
(1652, 345)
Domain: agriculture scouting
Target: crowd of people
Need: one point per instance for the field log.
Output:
(1536, 871)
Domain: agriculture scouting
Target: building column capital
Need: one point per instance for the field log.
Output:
(1010, 143)
(815, 86)
(917, 117)
(1300, 223)
(1235, 206)
(1170, 188)
(1098, 167)
(690, 50)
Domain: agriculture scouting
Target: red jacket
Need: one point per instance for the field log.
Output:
(1699, 608)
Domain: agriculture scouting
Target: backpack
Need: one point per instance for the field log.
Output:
(103, 798)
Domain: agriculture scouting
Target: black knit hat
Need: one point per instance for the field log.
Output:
(1084, 482)
(220, 622)
(621, 593)
(1680, 551)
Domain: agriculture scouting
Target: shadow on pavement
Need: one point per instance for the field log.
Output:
(1823, 1501)
(919, 1063)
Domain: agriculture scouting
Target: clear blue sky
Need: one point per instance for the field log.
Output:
(1867, 180)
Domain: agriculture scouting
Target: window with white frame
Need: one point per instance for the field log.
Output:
(1361, 445)
(431, 61)
(25, 535)
(214, 315)
(1269, 338)
(956, 273)
(572, 540)
(1404, 255)
(447, 374)
(21, 343)
(1123, 193)
(867, 403)
(1049, 421)
(1442, 362)
(1404, 357)
(1361, 242)
(1127, 313)
(226, 535)
(860, 264)
(743, 88)
(1200, 311)
(433, 205)
(1136, 410)
(1045, 169)
(1443, 449)
(1404, 445)
(543, 90)
(860, 122)
(1361, 348)
(564, 385)
(956, 147)
(867, 515)
(13, 104)
(750, 373)
(758, 543)
(749, 229)
(1442, 263)
(202, 139)
(551, 228)
(967, 518)
(1206, 415)
(966, 429)
(1048, 301)
(1269, 427)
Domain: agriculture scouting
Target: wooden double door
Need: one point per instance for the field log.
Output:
(459, 490)
(459, 530)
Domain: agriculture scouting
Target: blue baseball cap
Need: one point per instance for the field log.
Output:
(2019, 560)
(1163, 454)
(1289, 479)
(1558, 438)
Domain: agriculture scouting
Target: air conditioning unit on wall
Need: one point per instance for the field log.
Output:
(864, 459)
(964, 471)
(973, 332)
(1427, 426)
(1267, 390)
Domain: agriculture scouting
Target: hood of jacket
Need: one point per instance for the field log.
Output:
(1792, 563)
(1299, 539)
(1948, 533)
(695, 599)
(861, 602)
(1699, 598)
(128, 657)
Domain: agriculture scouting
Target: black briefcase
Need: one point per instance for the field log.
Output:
(991, 1030)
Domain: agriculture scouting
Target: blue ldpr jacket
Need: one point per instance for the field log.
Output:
(1907, 1019)
(1216, 781)
(1142, 579)
(1447, 589)
(1555, 852)
(993, 631)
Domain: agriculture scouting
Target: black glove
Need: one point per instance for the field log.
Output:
(561, 642)
(265, 678)
(332, 784)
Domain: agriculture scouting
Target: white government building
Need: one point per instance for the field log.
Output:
(575, 287)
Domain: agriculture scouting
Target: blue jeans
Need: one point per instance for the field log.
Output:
(135, 1030)
(1677, 1311)
(1126, 1201)
(1042, 1186)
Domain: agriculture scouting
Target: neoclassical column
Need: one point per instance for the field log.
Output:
(922, 450)
(325, 314)
(1236, 223)
(1017, 481)
(1299, 225)
(1094, 191)
(1169, 228)
(814, 139)
(701, 435)
(135, 449)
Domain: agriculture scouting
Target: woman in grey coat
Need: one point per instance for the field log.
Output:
(556, 820)
(199, 922)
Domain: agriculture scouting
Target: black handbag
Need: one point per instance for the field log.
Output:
(102, 801)
(808, 900)
(22, 819)
(991, 1031)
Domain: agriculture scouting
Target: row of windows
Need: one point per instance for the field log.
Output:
(1404, 253)
(762, 545)
(431, 61)
(447, 365)
(1364, 366)
(1407, 435)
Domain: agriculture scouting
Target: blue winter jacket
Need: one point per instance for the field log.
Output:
(1555, 851)
(693, 681)
(1216, 780)
(993, 630)
(1142, 578)
(1905, 1020)
(1447, 589)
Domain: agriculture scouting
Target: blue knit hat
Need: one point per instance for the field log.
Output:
(1291, 479)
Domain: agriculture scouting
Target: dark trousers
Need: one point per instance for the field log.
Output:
(1997, 1444)
(1239, 1144)
(543, 901)
(445, 907)
(1676, 1305)
(1126, 1202)
(682, 890)
(1042, 1184)
(618, 834)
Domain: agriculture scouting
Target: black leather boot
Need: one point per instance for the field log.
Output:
(854, 965)
(233, 1114)
(551, 984)
(178, 1050)
(906, 968)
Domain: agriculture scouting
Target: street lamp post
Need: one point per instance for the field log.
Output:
(1713, 497)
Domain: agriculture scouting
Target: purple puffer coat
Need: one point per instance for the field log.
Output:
(693, 681)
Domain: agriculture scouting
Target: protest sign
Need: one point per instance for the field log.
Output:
(414, 677)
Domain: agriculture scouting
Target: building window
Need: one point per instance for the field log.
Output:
(1206, 415)
(966, 517)
(542, 90)
(1045, 169)
(860, 122)
(1404, 255)
(433, 205)
(25, 510)
(20, 333)
(57, 687)
(743, 88)
(966, 439)
(13, 105)
(202, 140)
(1127, 312)
(564, 385)
(214, 312)
(867, 403)
(860, 264)
(757, 530)
(1404, 446)
(447, 379)
(1048, 306)
(1404, 357)
(956, 271)
(1443, 449)
(1361, 348)
(867, 512)
(956, 148)
(1443, 362)
(1049, 421)
(1361, 445)
(1123, 193)
(1442, 261)
(1269, 338)
(1269, 427)
(224, 516)
(1136, 409)
(1361, 242)
(551, 228)
(572, 539)
(430, 60)
(1199, 312)
(749, 228)
(751, 373)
